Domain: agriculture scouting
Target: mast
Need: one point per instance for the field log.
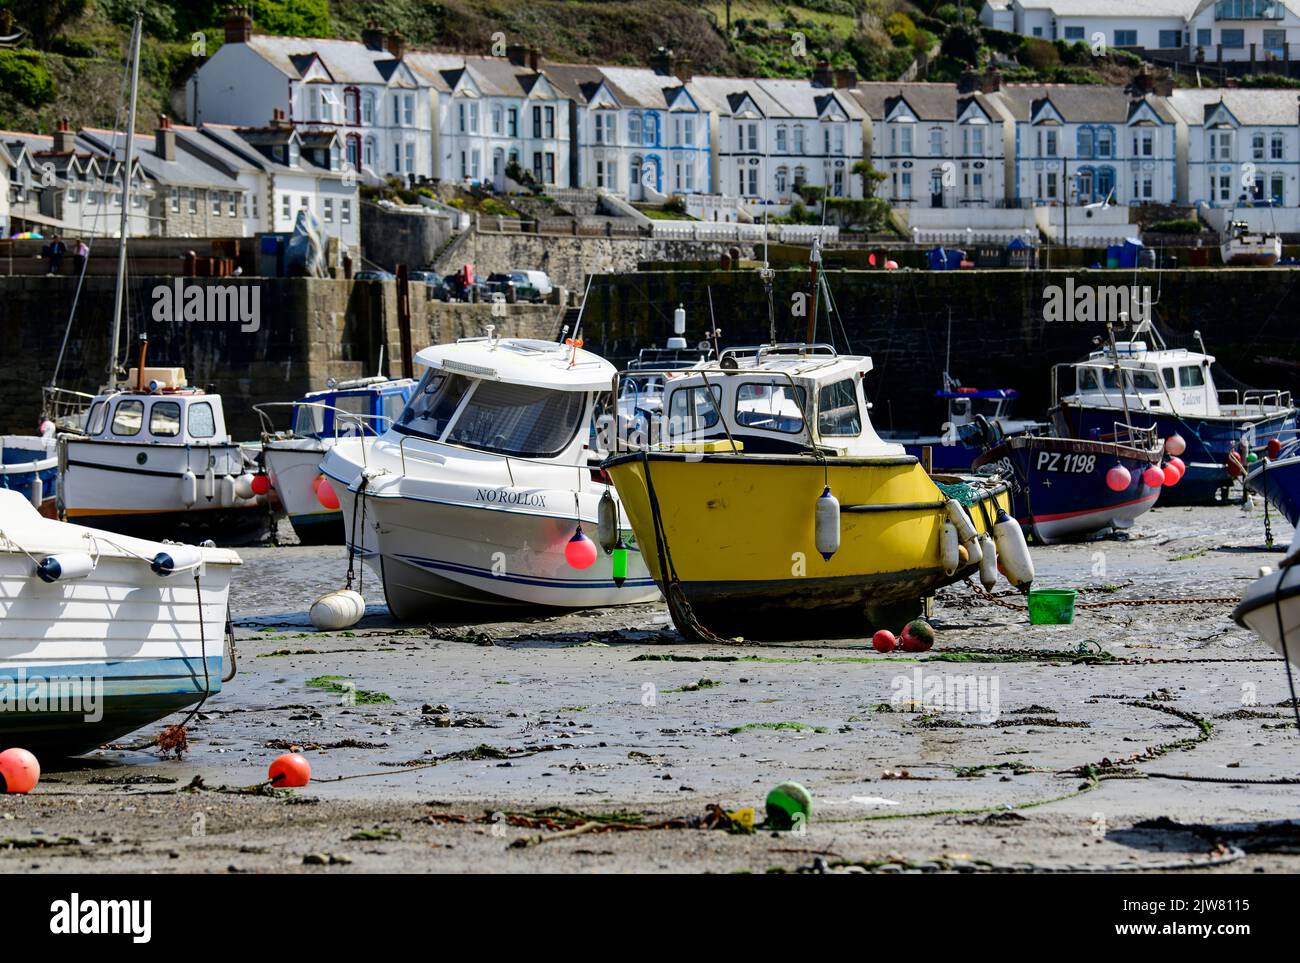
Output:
(814, 263)
(119, 292)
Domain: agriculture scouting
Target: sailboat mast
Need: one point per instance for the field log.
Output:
(119, 292)
(814, 263)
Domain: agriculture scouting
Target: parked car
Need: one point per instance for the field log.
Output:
(457, 290)
(373, 276)
(437, 285)
(538, 280)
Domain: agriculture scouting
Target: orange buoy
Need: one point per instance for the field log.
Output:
(290, 771)
(326, 496)
(19, 771)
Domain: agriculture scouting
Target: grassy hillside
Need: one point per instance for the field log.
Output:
(70, 63)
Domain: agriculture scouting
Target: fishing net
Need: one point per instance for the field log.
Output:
(965, 493)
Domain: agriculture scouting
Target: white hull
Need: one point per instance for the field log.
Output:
(1269, 598)
(463, 532)
(149, 643)
(115, 478)
(1119, 517)
(293, 464)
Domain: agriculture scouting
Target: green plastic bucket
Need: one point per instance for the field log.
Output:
(1051, 606)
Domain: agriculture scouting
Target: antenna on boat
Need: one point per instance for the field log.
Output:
(1119, 371)
(379, 372)
(120, 290)
(714, 333)
(814, 263)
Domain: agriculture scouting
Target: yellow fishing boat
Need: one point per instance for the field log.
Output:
(766, 506)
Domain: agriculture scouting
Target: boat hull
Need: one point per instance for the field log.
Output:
(293, 465)
(121, 646)
(440, 543)
(739, 531)
(30, 466)
(143, 490)
(1279, 482)
(1271, 609)
(1209, 441)
(1061, 491)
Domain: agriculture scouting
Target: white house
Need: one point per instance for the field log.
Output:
(384, 110)
(998, 15)
(939, 145)
(1241, 147)
(1244, 30)
(6, 175)
(1082, 145)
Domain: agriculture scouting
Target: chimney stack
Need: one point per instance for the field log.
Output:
(527, 57)
(661, 62)
(239, 25)
(396, 44)
(846, 78)
(991, 82)
(63, 137)
(165, 139)
(373, 36)
(278, 119)
(823, 76)
(968, 82)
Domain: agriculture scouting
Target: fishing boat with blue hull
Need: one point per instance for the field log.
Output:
(102, 633)
(362, 408)
(1067, 488)
(1172, 391)
(1278, 480)
(29, 465)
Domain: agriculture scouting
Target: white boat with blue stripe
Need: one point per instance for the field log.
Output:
(489, 473)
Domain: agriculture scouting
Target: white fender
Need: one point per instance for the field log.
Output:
(989, 563)
(210, 483)
(948, 549)
(189, 488)
(337, 610)
(1013, 551)
(607, 522)
(957, 515)
(974, 550)
(226, 490)
(65, 566)
(38, 490)
(176, 558)
(827, 524)
(244, 486)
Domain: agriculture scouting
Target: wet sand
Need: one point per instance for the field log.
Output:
(459, 728)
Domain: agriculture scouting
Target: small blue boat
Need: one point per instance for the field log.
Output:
(1061, 489)
(30, 465)
(972, 415)
(1278, 480)
(1173, 392)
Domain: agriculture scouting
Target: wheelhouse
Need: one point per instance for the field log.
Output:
(352, 408)
(772, 399)
(158, 418)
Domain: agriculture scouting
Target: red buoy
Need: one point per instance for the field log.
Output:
(261, 484)
(326, 495)
(1172, 475)
(19, 771)
(884, 641)
(1236, 467)
(290, 771)
(1182, 467)
(1274, 448)
(1118, 479)
(1175, 444)
(1153, 477)
(918, 636)
(580, 551)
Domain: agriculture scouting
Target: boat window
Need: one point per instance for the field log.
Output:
(97, 418)
(1169, 378)
(519, 419)
(165, 419)
(1108, 379)
(308, 420)
(434, 402)
(1191, 377)
(1143, 380)
(772, 407)
(203, 424)
(128, 417)
(990, 407)
(837, 409)
(1087, 379)
(393, 405)
(358, 405)
(694, 409)
(600, 408)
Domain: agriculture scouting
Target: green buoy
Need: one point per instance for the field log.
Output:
(620, 563)
(789, 806)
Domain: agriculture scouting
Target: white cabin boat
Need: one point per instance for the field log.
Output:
(157, 458)
(477, 490)
(102, 633)
(1243, 246)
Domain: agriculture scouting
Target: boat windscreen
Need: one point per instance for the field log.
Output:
(519, 419)
(435, 401)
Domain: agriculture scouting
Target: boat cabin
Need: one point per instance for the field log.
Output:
(365, 406)
(1170, 380)
(519, 397)
(774, 399)
(964, 404)
(165, 412)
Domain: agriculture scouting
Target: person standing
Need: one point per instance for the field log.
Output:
(57, 251)
(83, 252)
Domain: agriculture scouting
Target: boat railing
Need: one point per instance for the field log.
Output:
(65, 407)
(1131, 436)
(1259, 400)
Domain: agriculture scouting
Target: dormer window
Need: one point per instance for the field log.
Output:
(293, 153)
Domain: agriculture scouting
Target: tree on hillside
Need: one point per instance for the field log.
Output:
(44, 19)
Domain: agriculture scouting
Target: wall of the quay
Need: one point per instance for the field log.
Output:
(307, 330)
(999, 337)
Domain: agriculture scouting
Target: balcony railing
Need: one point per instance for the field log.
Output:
(1249, 10)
